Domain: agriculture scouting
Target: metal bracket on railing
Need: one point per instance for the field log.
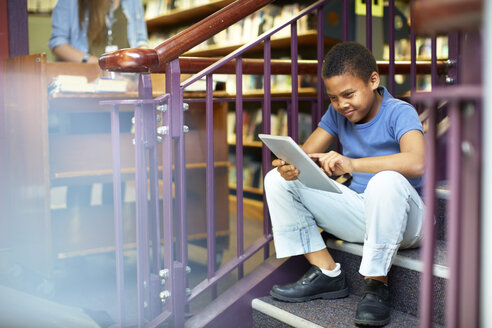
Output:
(161, 107)
(186, 106)
(164, 295)
(450, 63)
(186, 128)
(164, 274)
(162, 130)
(449, 80)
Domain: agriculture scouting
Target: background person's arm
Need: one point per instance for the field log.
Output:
(68, 53)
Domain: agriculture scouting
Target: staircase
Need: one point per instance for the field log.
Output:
(404, 280)
(406, 277)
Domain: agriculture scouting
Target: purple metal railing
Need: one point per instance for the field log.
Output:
(174, 267)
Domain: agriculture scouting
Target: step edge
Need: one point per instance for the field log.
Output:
(282, 315)
(439, 270)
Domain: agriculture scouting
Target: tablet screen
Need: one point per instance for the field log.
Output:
(310, 174)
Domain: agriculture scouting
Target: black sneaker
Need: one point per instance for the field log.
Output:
(312, 285)
(374, 307)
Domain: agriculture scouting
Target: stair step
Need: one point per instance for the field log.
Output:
(268, 312)
(407, 258)
(404, 276)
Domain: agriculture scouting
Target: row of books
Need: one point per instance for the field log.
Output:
(252, 172)
(40, 6)
(250, 27)
(278, 83)
(423, 47)
(252, 125)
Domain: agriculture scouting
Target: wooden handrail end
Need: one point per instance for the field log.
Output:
(131, 60)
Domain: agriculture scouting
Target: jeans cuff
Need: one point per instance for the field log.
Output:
(377, 259)
(297, 241)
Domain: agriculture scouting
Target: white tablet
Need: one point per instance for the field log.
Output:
(310, 173)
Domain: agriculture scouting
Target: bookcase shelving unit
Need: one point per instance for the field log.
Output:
(62, 141)
(174, 19)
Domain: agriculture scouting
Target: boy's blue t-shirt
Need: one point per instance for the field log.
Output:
(378, 137)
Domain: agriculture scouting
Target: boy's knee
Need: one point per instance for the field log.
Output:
(385, 181)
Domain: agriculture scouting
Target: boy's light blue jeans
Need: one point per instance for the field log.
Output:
(387, 216)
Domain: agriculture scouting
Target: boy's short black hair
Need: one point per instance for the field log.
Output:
(349, 57)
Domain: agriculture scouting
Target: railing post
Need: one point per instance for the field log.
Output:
(267, 113)
(428, 245)
(486, 207)
(118, 215)
(142, 229)
(239, 161)
(294, 113)
(175, 120)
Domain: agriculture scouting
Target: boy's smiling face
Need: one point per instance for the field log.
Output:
(354, 98)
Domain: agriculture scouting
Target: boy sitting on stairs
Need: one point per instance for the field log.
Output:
(383, 148)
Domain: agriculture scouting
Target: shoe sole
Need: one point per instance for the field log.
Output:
(377, 323)
(326, 296)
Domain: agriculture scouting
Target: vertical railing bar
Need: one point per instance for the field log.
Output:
(118, 215)
(391, 42)
(141, 202)
(320, 55)
(433, 62)
(293, 119)
(289, 116)
(239, 162)
(369, 24)
(154, 283)
(177, 126)
(148, 130)
(150, 113)
(428, 245)
(210, 181)
(453, 215)
(413, 55)
(154, 200)
(167, 185)
(485, 282)
(346, 26)
(177, 275)
(267, 111)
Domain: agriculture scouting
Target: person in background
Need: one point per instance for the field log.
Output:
(85, 29)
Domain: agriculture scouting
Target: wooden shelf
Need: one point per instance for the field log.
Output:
(251, 144)
(308, 38)
(251, 208)
(180, 16)
(252, 190)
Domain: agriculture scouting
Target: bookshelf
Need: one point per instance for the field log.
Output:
(167, 18)
(171, 17)
(307, 38)
(60, 160)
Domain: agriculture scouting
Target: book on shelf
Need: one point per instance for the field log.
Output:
(40, 6)
(252, 172)
(252, 125)
(278, 83)
(80, 84)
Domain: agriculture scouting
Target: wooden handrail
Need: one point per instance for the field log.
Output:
(148, 60)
